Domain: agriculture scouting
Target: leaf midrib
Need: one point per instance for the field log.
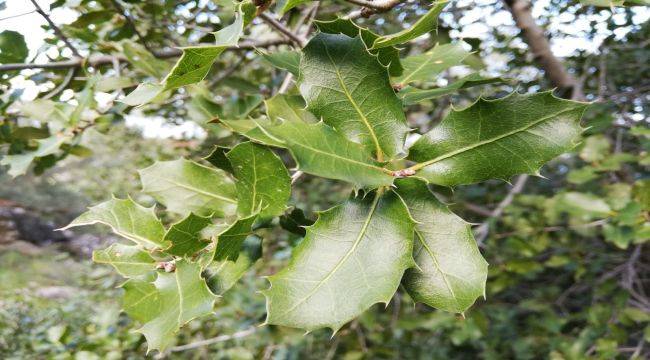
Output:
(203, 192)
(363, 117)
(437, 265)
(370, 166)
(488, 141)
(362, 232)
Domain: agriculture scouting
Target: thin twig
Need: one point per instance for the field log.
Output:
(382, 5)
(63, 85)
(483, 229)
(214, 340)
(120, 8)
(56, 29)
(367, 10)
(17, 15)
(297, 39)
(108, 59)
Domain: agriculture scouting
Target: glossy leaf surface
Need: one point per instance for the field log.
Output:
(450, 272)
(352, 257)
(184, 186)
(349, 89)
(496, 139)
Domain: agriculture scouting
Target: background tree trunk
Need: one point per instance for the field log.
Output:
(541, 48)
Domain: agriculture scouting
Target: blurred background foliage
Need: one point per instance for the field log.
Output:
(569, 267)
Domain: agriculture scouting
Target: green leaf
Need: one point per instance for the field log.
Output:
(288, 108)
(497, 139)
(196, 61)
(144, 93)
(192, 67)
(425, 24)
(111, 83)
(141, 300)
(427, 66)
(450, 273)
(185, 236)
(230, 241)
(352, 257)
(321, 151)
(13, 48)
(184, 296)
(387, 56)
(222, 275)
(184, 186)
(19, 163)
(349, 89)
(411, 95)
(263, 182)
(583, 204)
(285, 5)
(126, 218)
(219, 160)
(129, 261)
(285, 60)
(251, 129)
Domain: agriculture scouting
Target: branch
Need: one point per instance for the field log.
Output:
(541, 48)
(483, 229)
(214, 340)
(297, 39)
(108, 59)
(371, 7)
(381, 5)
(56, 29)
(120, 8)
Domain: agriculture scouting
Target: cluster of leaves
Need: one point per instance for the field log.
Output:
(348, 123)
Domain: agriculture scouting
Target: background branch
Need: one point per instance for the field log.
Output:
(540, 47)
(108, 59)
(483, 230)
(120, 8)
(56, 29)
(297, 39)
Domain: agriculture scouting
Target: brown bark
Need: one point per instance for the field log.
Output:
(541, 50)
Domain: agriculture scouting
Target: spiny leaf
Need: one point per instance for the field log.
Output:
(320, 150)
(183, 295)
(222, 275)
(427, 66)
(387, 56)
(349, 89)
(229, 241)
(411, 95)
(451, 272)
(193, 65)
(129, 261)
(263, 182)
(185, 236)
(425, 24)
(184, 186)
(352, 257)
(127, 219)
(497, 139)
(196, 61)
